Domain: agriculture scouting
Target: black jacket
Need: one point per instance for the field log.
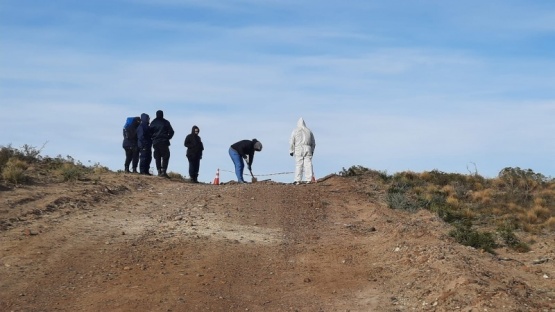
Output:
(130, 132)
(194, 144)
(245, 148)
(162, 131)
(144, 133)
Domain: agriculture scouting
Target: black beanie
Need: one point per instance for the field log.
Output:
(159, 114)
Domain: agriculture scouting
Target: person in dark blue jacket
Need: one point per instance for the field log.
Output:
(130, 143)
(162, 133)
(243, 150)
(144, 136)
(194, 147)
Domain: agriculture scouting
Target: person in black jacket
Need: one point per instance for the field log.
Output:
(243, 150)
(130, 143)
(144, 136)
(162, 133)
(194, 152)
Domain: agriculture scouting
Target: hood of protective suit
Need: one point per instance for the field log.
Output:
(302, 141)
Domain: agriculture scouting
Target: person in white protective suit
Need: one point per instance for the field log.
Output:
(301, 146)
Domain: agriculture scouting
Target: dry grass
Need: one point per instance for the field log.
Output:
(14, 170)
(522, 198)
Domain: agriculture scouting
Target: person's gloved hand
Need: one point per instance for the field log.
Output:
(291, 154)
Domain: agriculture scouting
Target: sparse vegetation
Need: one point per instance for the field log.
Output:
(14, 170)
(16, 164)
(175, 176)
(515, 200)
(523, 198)
(466, 235)
(506, 232)
(71, 172)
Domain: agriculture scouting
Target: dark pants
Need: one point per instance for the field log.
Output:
(194, 167)
(145, 157)
(131, 156)
(162, 157)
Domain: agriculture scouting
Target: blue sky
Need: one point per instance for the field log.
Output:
(456, 86)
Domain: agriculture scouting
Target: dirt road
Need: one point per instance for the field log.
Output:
(134, 243)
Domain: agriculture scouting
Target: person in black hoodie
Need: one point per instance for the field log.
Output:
(162, 133)
(130, 143)
(144, 136)
(243, 149)
(194, 147)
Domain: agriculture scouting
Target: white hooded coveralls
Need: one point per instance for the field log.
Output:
(302, 145)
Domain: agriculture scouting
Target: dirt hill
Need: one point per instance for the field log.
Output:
(121, 242)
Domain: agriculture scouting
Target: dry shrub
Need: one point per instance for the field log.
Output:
(541, 213)
(97, 169)
(71, 172)
(497, 183)
(468, 214)
(448, 190)
(526, 227)
(531, 217)
(452, 200)
(538, 201)
(484, 197)
(478, 186)
(14, 170)
(431, 188)
(513, 208)
(498, 211)
(550, 223)
(419, 190)
(175, 176)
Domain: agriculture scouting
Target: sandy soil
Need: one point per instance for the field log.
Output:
(120, 242)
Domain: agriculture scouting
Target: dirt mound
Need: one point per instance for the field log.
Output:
(136, 243)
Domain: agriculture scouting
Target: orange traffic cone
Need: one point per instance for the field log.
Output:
(217, 178)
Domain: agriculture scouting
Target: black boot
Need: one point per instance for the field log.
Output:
(162, 173)
(126, 170)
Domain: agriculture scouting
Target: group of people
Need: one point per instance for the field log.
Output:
(140, 136)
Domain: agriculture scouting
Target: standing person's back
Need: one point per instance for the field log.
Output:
(301, 146)
(144, 135)
(130, 143)
(162, 133)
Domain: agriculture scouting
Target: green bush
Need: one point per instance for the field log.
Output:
(466, 235)
(71, 171)
(401, 201)
(511, 240)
